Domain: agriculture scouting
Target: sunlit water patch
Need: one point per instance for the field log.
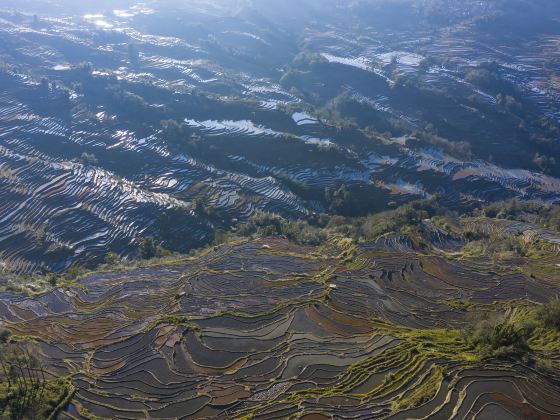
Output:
(98, 20)
(61, 67)
(241, 127)
(303, 118)
(269, 94)
(400, 57)
(248, 128)
(361, 63)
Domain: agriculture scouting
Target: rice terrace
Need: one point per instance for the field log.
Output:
(267, 328)
(265, 209)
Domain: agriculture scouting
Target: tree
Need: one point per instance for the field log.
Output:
(24, 377)
(4, 335)
(545, 163)
(549, 314)
(41, 239)
(111, 258)
(355, 199)
(148, 248)
(26, 391)
(89, 159)
(85, 69)
(500, 340)
(481, 77)
(174, 134)
(53, 279)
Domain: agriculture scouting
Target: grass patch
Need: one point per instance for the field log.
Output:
(421, 392)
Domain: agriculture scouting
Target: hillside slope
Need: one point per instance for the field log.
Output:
(266, 328)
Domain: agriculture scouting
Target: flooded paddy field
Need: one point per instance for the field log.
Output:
(263, 120)
(225, 209)
(270, 329)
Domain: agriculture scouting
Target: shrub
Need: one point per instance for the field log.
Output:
(503, 340)
(221, 237)
(549, 314)
(481, 77)
(302, 233)
(405, 219)
(111, 258)
(262, 224)
(4, 335)
(88, 159)
(545, 215)
(298, 231)
(148, 248)
(355, 199)
(53, 279)
(175, 134)
(74, 272)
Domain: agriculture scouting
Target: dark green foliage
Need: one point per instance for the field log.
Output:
(170, 234)
(488, 77)
(174, 134)
(514, 246)
(543, 162)
(549, 314)
(344, 107)
(53, 278)
(262, 224)
(207, 210)
(25, 393)
(74, 272)
(148, 248)
(459, 149)
(4, 335)
(85, 69)
(41, 235)
(481, 77)
(404, 219)
(356, 199)
(475, 235)
(130, 104)
(221, 237)
(509, 103)
(299, 231)
(111, 258)
(542, 214)
(500, 340)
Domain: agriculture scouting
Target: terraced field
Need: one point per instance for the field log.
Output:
(260, 209)
(86, 161)
(270, 329)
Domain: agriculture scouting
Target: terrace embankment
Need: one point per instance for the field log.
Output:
(270, 329)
